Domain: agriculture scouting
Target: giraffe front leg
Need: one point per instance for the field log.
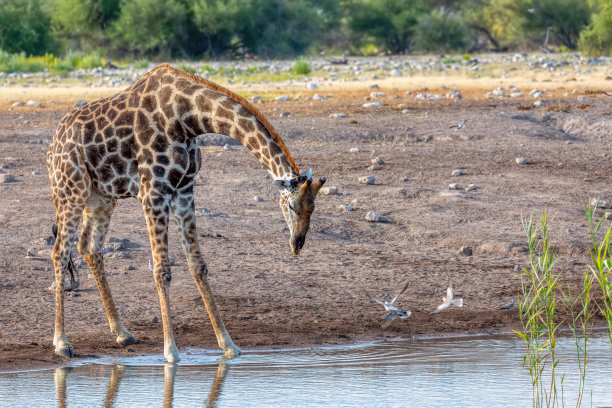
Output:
(183, 212)
(157, 213)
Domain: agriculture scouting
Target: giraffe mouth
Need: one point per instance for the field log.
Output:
(297, 243)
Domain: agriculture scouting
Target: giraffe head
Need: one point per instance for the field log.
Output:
(297, 203)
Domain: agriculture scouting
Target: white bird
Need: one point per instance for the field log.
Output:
(459, 125)
(447, 301)
(393, 311)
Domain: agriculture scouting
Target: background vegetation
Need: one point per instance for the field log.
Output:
(137, 29)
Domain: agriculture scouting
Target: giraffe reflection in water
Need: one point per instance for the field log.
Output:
(62, 375)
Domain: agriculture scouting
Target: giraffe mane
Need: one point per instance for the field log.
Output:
(240, 100)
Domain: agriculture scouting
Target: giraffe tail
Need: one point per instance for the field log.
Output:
(71, 267)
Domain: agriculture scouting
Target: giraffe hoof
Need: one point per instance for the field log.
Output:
(126, 339)
(64, 351)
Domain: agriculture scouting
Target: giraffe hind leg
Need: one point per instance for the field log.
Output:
(96, 220)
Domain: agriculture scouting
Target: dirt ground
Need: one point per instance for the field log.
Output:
(271, 299)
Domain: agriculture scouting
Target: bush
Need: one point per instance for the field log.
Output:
(302, 66)
(440, 31)
(596, 39)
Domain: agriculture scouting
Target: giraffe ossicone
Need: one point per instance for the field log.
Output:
(141, 143)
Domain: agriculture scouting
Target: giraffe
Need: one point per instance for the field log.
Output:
(140, 143)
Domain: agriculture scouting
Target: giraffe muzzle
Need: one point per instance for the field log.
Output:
(297, 243)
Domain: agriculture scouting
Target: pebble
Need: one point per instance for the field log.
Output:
(257, 199)
(7, 178)
(36, 173)
(453, 186)
(454, 94)
(281, 98)
(374, 167)
(345, 207)
(521, 160)
(582, 98)
(396, 73)
(372, 105)
(599, 203)
(428, 97)
(608, 215)
(312, 85)
(457, 173)
(355, 150)
(471, 187)
(538, 103)
(516, 95)
(373, 216)
(378, 95)
(317, 97)
(34, 104)
(285, 114)
(373, 87)
(367, 180)
(405, 178)
(406, 111)
(378, 160)
(257, 98)
(466, 251)
(329, 190)
(80, 103)
(17, 104)
(338, 115)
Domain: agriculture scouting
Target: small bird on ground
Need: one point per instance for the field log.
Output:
(509, 306)
(393, 312)
(459, 125)
(447, 301)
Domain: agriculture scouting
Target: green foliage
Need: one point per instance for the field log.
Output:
(302, 66)
(440, 31)
(496, 21)
(596, 39)
(390, 24)
(141, 63)
(20, 62)
(566, 17)
(24, 27)
(186, 68)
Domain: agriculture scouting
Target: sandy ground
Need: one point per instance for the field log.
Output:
(269, 298)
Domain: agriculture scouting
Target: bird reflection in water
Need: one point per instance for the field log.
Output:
(118, 371)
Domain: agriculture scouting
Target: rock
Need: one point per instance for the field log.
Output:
(256, 98)
(6, 178)
(521, 160)
(406, 111)
(312, 85)
(338, 115)
(378, 160)
(80, 103)
(285, 114)
(538, 103)
(489, 95)
(599, 203)
(457, 173)
(608, 215)
(257, 199)
(36, 173)
(34, 104)
(131, 268)
(373, 87)
(372, 105)
(516, 95)
(354, 150)
(344, 207)
(17, 104)
(374, 167)
(471, 187)
(454, 94)
(373, 216)
(396, 73)
(582, 98)
(367, 180)
(329, 190)
(499, 92)
(281, 98)
(466, 251)
(428, 97)
(405, 178)
(453, 186)
(377, 95)
(317, 97)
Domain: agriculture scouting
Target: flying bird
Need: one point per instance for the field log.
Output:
(393, 312)
(447, 301)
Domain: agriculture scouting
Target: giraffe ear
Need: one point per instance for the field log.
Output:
(282, 184)
(317, 185)
(308, 174)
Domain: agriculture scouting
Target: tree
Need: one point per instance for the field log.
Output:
(388, 24)
(440, 31)
(499, 22)
(566, 17)
(24, 27)
(596, 39)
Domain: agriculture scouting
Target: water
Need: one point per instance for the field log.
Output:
(470, 372)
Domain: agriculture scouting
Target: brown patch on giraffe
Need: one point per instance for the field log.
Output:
(179, 156)
(224, 113)
(126, 118)
(246, 125)
(183, 105)
(149, 103)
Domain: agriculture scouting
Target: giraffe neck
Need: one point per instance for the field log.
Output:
(201, 107)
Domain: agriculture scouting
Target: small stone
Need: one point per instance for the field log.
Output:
(454, 94)
(353, 122)
(257, 199)
(276, 109)
(131, 268)
(378, 160)
(599, 203)
(453, 186)
(471, 187)
(155, 320)
(377, 95)
(256, 98)
(574, 92)
(367, 180)
(80, 103)
(405, 178)
(521, 160)
(425, 97)
(355, 150)
(344, 207)
(538, 103)
(406, 111)
(373, 87)
(281, 98)
(374, 167)
(36, 173)
(457, 173)
(608, 215)
(396, 73)
(582, 98)
(312, 85)
(17, 104)
(317, 97)
(516, 95)
(329, 190)
(34, 104)
(338, 115)
(7, 178)
(372, 105)
(466, 251)
(373, 216)
(285, 114)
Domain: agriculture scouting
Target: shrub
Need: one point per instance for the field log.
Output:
(596, 39)
(440, 31)
(302, 66)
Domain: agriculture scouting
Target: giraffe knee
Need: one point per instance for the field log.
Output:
(200, 272)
